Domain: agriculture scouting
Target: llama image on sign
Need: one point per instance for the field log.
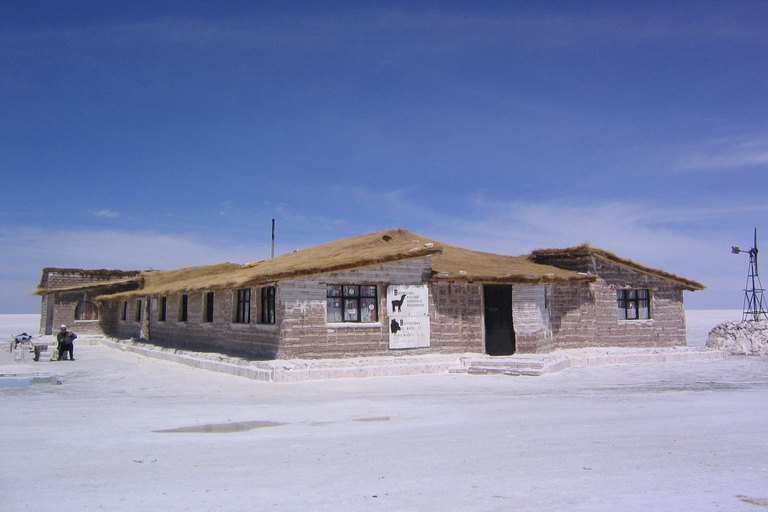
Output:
(398, 303)
(408, 310)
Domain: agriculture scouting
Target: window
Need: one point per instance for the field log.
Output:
(208, 307)
(86, 310)
(243, 312)
(125, 311)
(634, 304)
(352, 303)
(138, 310)
(268, 305)
(183, 308)
(163, 309)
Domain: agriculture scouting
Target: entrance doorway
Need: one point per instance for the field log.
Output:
(499, 332)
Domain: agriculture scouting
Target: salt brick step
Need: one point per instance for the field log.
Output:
(479, 370)
(508, 367)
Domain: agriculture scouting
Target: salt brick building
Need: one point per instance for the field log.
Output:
(75, 308)
(392, 292)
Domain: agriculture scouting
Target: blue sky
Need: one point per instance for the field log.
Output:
(140, 135)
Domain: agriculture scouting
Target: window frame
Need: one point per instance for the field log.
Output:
(125, 311)
(243, 306)
(634, 304)
(137, 312)
(163, 312)
(208, 307)
(361, 295)
(184, 308)
(268, 310)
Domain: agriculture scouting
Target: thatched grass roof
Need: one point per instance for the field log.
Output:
(459, 264)
(548, 255)
(449, 263)
(338, 256)
(181, 280)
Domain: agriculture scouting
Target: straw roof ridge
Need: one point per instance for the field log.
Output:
(586, 249)
(458, 263)
(346, 254)
(449, 263)
(176, 281)
(350, 253)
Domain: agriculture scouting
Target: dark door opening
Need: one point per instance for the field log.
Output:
(499, 333)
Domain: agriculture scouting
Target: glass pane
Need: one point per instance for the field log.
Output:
(368, 310)
(334, 290)
(350, 290)
(350, 310)
(644, 312)
(642, 294)
(632, 311)
(334, 310)
(86, 311)
(631, 294)
(368, 291)
(622, 313)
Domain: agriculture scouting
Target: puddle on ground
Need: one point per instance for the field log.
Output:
(223, 428)
(242, 426)
(23, 381)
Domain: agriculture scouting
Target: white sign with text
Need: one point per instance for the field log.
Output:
(408, 311)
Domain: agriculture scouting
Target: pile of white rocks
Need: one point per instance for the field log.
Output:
(740, 338)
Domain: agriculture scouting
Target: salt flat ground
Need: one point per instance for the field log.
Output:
(673, 436)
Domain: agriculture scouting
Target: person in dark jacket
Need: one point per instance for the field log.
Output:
(66, 340)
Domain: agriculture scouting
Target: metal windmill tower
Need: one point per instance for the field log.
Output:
(754, 308)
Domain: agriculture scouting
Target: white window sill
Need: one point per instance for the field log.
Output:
(253, 326)
(636, 322)
(349, 325)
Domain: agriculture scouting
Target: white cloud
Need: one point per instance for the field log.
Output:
(106, 213)
(116, 249)
(679, 240)
(26, 251)
(728, 154)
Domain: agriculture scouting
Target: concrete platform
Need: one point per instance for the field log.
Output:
(299, 370)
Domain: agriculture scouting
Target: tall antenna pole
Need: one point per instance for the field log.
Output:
(754, 309)
(272, 254)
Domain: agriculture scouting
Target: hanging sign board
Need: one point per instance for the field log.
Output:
(408, 311)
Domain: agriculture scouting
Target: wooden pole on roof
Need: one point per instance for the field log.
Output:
(272, 254)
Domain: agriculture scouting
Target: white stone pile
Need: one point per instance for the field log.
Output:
(740, 338)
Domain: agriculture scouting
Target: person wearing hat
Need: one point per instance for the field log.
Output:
(66, 340)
